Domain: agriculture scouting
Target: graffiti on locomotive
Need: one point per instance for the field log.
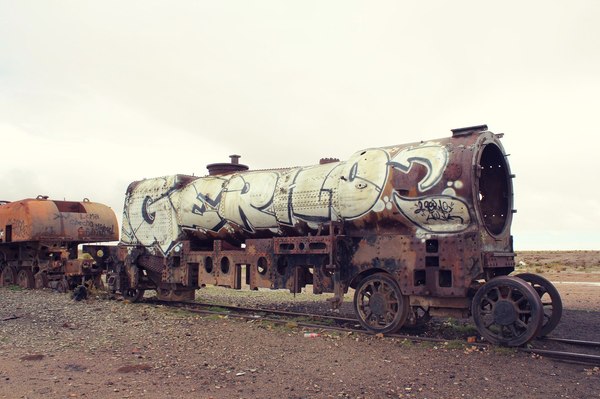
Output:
(268, 200)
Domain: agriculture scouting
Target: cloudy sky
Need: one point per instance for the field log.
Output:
(96, 94)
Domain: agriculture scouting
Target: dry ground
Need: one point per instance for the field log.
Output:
(53, 347)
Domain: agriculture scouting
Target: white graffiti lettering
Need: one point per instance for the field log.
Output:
(433, 156)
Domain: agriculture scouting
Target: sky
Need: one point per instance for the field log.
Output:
(97, 94)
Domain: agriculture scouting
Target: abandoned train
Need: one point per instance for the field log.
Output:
(39, 241)
(415, 229)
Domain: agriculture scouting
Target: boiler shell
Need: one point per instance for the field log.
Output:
(421, 189)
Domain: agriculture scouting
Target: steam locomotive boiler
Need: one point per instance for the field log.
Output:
(414, 229)
(39, 241)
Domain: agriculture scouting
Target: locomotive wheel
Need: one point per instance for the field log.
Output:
(552, 304)
(133, 294)
(379, 304)
(62, 286)
(507, 311)
(8, 276)
(40, 280)
(25, 279)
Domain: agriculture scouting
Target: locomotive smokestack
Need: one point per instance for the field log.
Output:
(233, 166)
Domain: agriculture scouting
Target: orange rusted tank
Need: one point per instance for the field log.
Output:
(39, 241)
(42, 219)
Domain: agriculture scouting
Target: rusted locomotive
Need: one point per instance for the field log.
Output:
(415, 229)
(39, 241)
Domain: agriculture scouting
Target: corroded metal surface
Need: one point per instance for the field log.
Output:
(43, 219)
(39, 239)
(421, 188)
(415, 228)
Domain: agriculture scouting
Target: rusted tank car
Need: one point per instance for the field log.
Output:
(39, 241)
(415, 229)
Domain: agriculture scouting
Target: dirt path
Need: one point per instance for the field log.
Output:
(57, 348)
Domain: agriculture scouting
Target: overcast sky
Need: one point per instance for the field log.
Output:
(96, 94)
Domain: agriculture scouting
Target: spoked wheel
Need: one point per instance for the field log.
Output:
(133, 294)
(40, 280)
(8, 276)
(379, 304)
(507, 311)
(62, 286)
(25, 279)
(551, 302)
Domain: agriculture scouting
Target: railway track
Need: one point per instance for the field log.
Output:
(591, 344)
(568, 356)
(350, 325)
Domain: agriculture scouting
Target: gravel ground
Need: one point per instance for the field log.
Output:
(53, 347)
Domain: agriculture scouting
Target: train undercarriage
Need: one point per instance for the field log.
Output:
(397, 280)
(47, 265)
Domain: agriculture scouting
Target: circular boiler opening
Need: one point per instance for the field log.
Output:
(495, 189)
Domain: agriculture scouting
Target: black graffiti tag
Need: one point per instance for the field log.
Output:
(437, 210)
(148, 216)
